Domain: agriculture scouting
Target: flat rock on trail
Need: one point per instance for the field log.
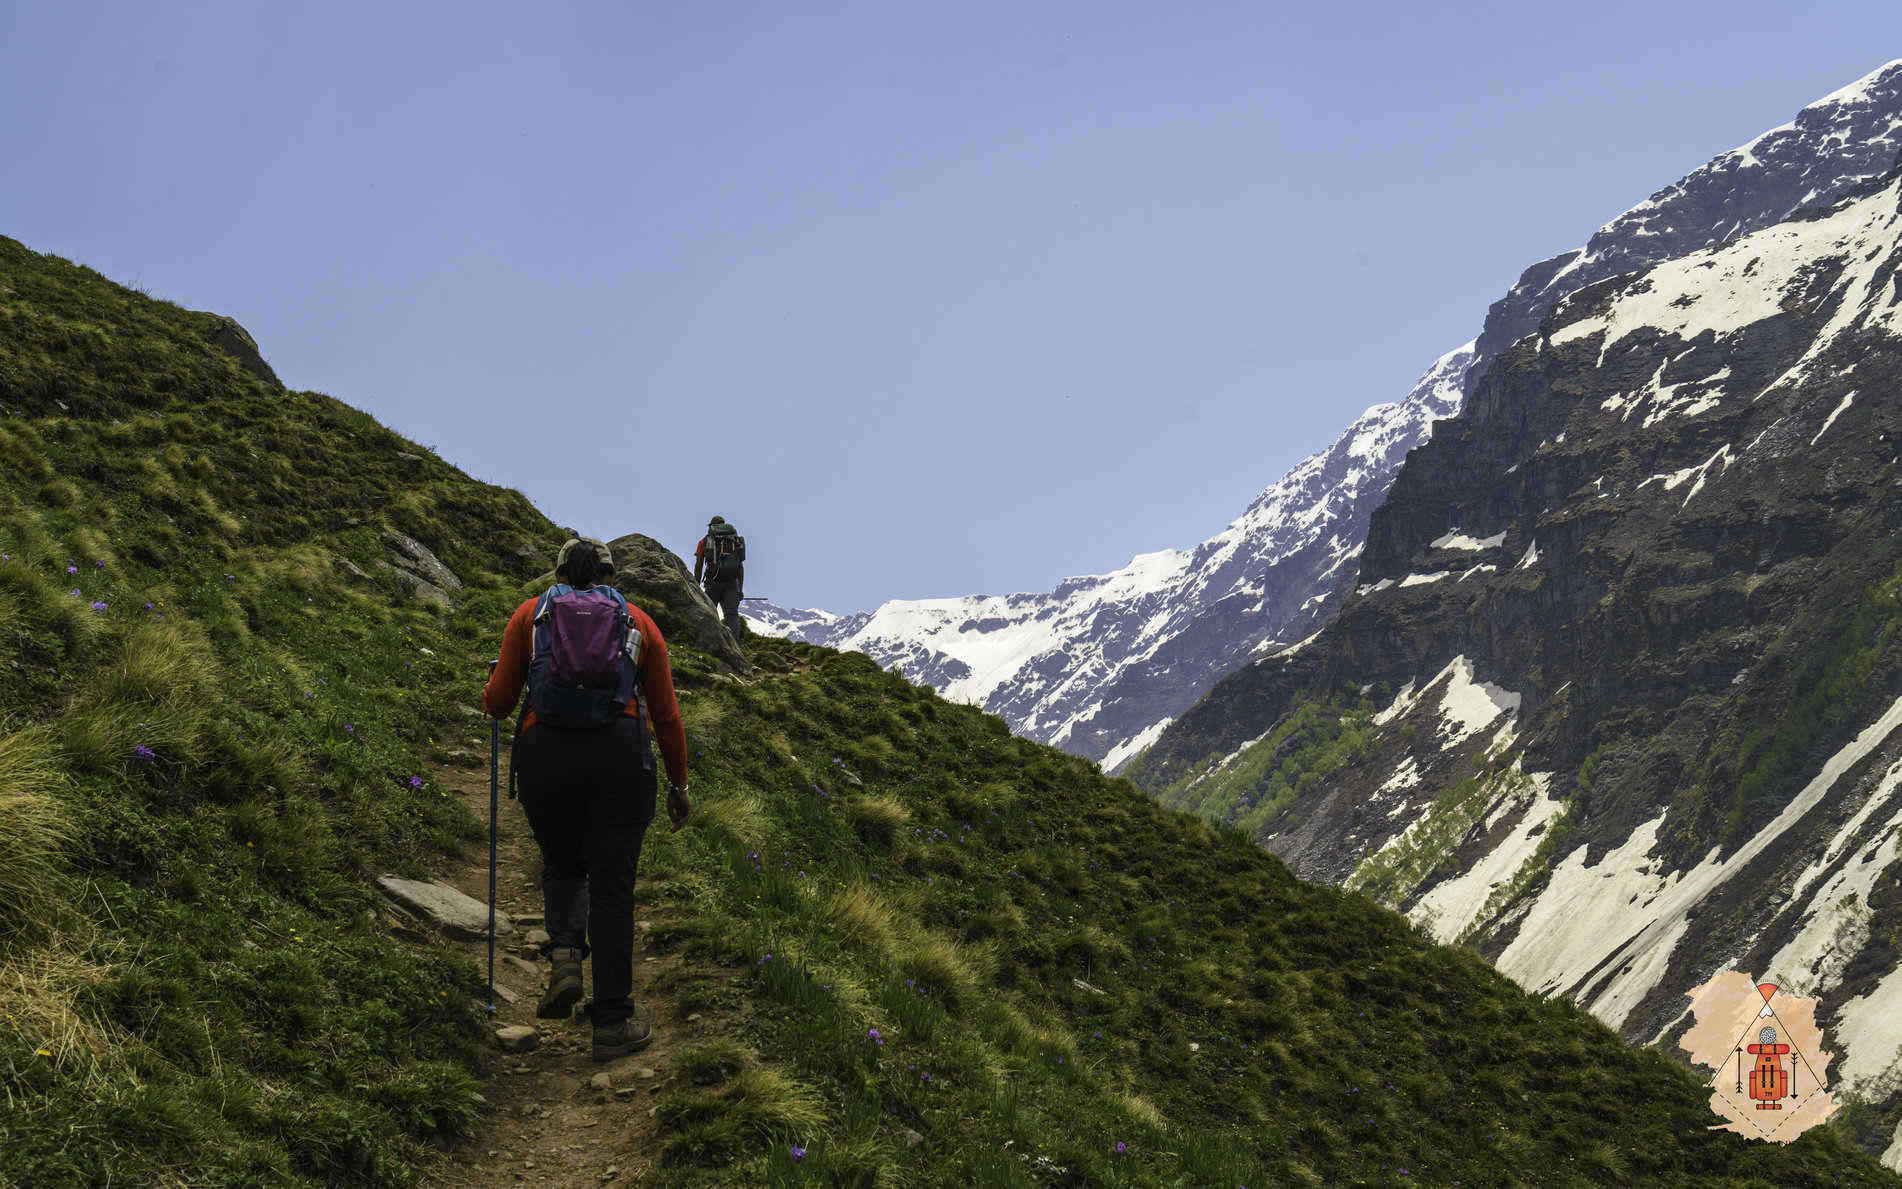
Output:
(554, 1120)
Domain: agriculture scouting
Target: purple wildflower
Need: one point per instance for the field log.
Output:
(72, 569)
(350, 727)
(416, 782)
(148, 606)
(875, 1038)
(798, 1153)
(144, 754)
(100, 565)
(98, 606)
(1121, 1147)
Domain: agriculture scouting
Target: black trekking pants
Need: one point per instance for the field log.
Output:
(726, 596)
(589, 796)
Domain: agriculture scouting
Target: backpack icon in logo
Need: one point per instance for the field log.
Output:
(582, 672)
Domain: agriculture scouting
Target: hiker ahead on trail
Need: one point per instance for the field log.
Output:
(722, 554)
(585, 774)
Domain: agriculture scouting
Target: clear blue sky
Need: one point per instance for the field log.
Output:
(929, 299)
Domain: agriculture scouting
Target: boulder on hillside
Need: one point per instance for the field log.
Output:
(419, 569)
(660, 584)
(235, 341)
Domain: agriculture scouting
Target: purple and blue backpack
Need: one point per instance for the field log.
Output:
(582, 673)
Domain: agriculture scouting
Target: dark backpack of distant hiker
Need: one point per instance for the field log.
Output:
(582, 672)
(726, 554)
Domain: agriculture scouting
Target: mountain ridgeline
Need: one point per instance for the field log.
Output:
(243, 628)
(1101, 665)
(1615, 699)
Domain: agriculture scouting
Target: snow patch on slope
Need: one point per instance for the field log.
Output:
(1830, 420)
(1866, 1026)
(1124, 751)
(1814, 960)
(1457, 540)
(1723, 289)
(1602, 918)
(1451, 907)
(1468, 706)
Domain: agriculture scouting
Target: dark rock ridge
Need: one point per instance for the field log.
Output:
(1102, 664)
(1619, 680)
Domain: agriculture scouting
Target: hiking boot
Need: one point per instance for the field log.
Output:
(564, 986)
(618, 1040)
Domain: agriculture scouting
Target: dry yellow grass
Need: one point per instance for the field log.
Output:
(34, 833)
(738, 812)
(863, 918)
(38, 992)
(878, 820)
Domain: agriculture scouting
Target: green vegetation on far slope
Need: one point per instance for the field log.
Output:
(1253, 788)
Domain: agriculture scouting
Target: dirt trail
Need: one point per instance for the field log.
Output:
(552, 1123)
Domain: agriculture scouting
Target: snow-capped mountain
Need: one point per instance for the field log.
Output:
(1098, 665)
(1101, 664)
(1616, 697)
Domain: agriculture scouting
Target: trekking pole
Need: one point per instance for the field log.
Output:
(495, 764)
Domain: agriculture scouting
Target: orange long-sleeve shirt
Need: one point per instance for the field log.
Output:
(657, 683)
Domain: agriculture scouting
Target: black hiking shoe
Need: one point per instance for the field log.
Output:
(618, 1040)
(564, 986)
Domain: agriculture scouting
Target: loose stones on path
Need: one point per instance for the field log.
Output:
(516, 1038)
(458, 915)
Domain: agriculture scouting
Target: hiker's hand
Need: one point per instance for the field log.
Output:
(679, 806)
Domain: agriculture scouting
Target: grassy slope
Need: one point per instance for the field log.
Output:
(195, 987)
(206, 994)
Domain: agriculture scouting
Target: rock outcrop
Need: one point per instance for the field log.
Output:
(235, 341)
(660, 584)
(418, 569)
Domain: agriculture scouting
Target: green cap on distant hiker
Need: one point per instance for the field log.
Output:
(573, 543)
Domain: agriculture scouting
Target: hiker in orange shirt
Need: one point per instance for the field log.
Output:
(585, 774)
(722, 553)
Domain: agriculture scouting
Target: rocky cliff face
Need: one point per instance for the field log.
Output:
(1616, 698)
(1101, 665)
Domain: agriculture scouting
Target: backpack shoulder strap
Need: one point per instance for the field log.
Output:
(548, 596)
(620, 600)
